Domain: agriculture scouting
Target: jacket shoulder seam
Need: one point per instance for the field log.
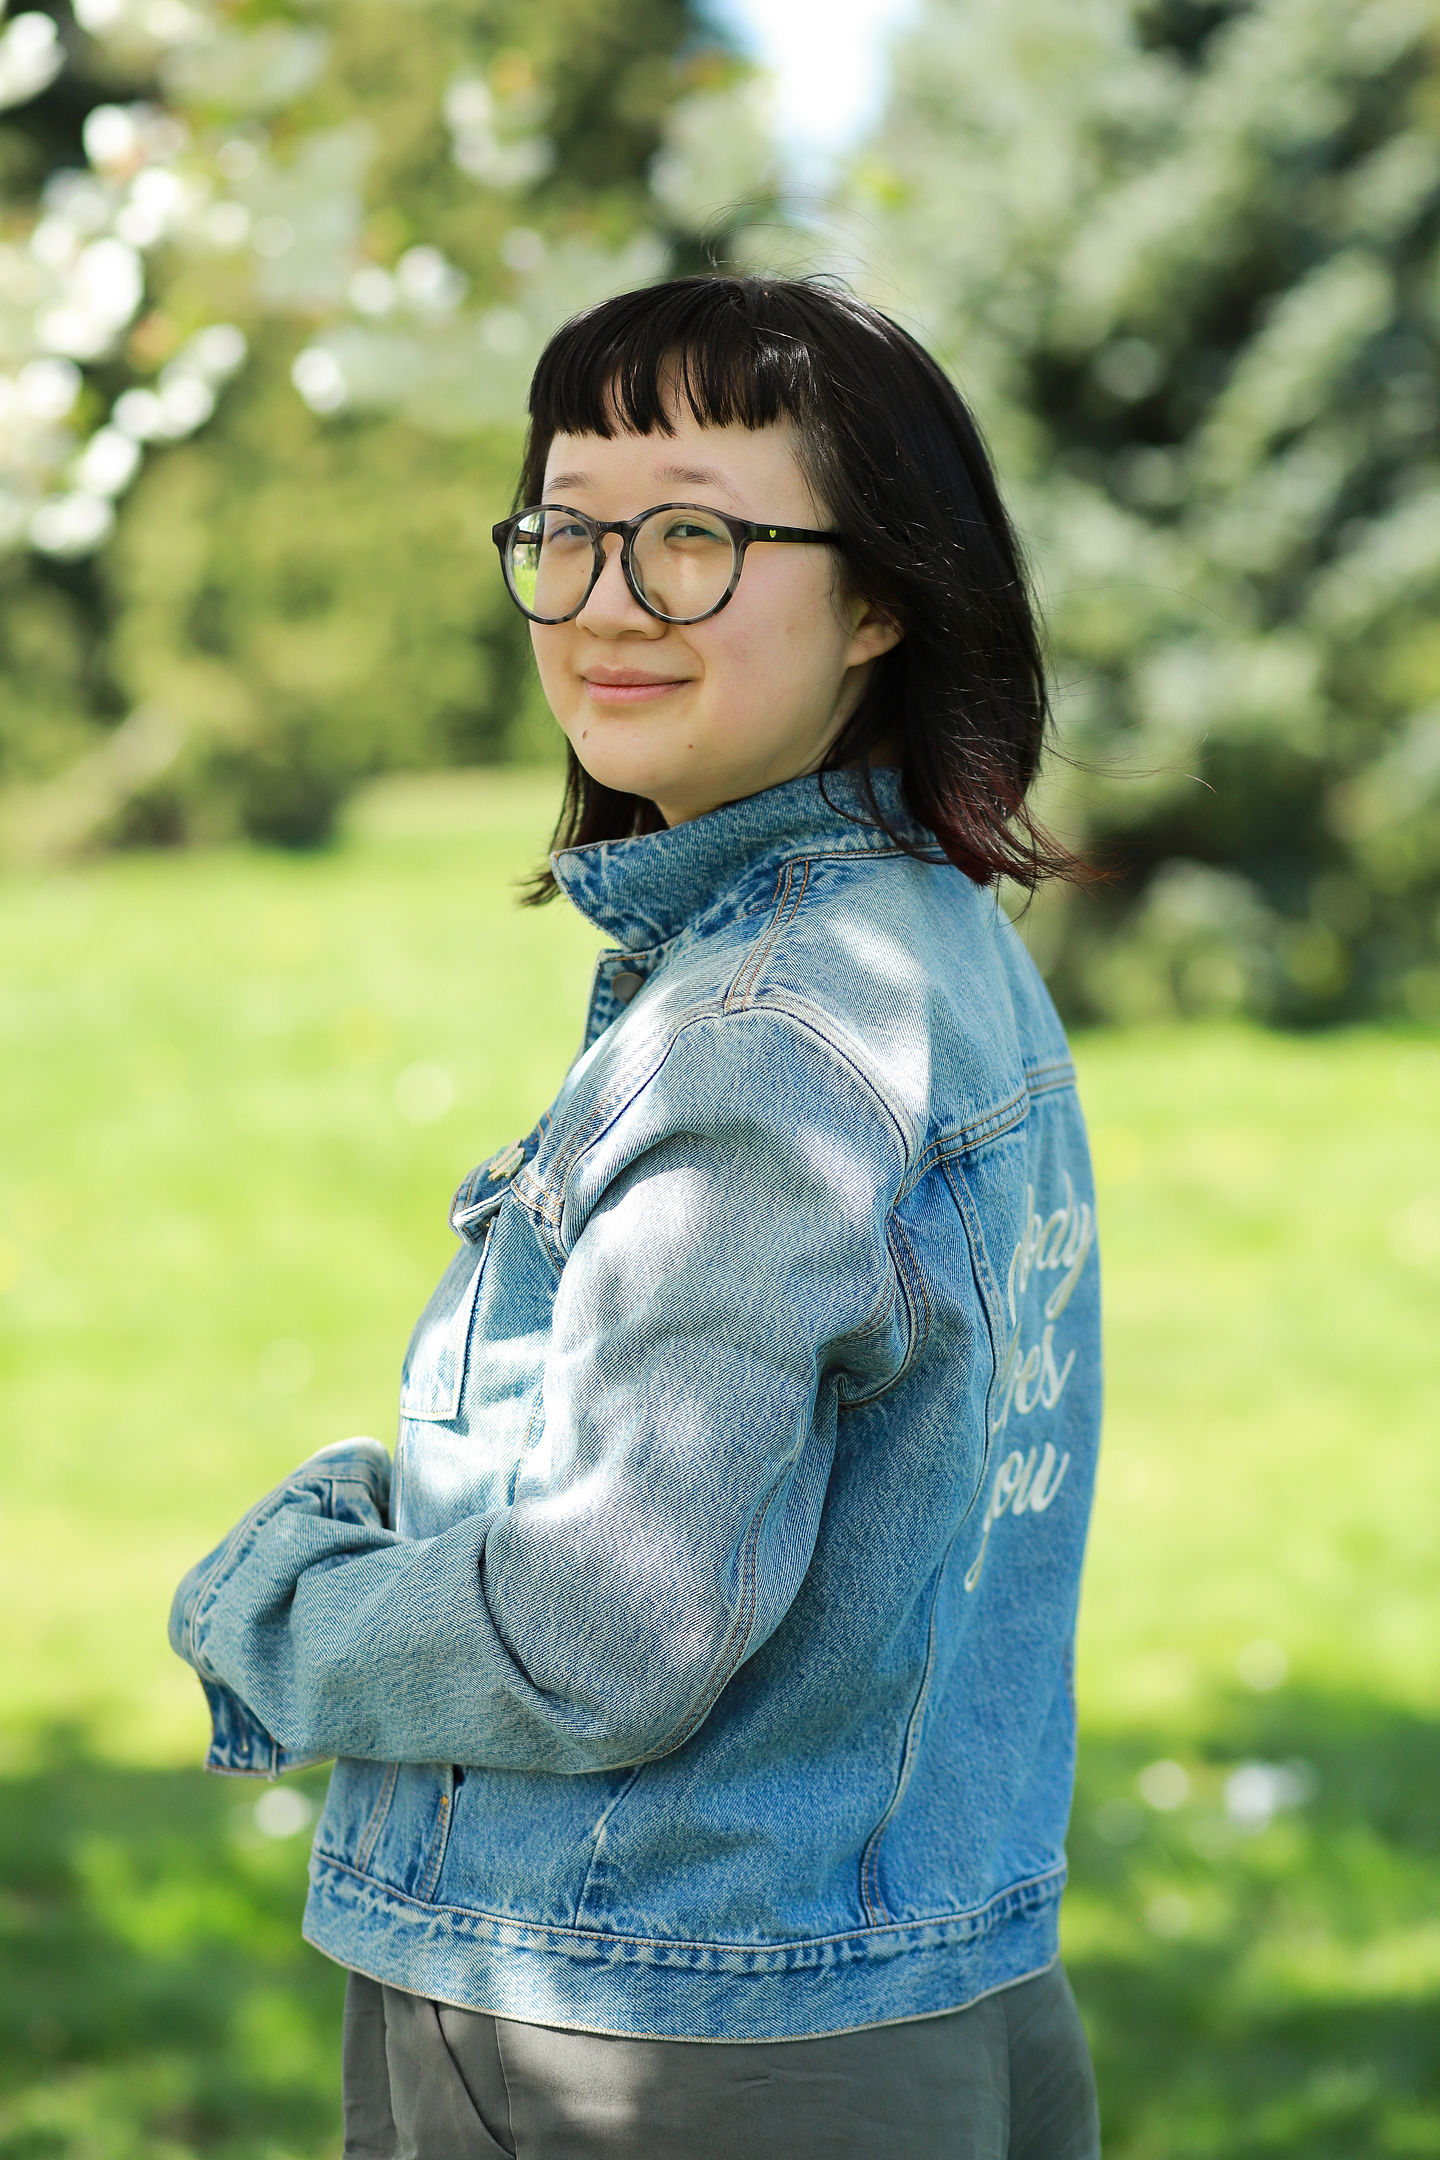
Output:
(546, 1200)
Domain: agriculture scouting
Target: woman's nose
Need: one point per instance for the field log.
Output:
(611, 605)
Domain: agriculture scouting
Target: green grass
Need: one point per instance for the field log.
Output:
(216, 1225)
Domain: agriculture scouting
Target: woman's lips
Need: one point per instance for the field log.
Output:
(640, 692)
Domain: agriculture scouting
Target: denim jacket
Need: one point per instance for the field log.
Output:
(706, 1668)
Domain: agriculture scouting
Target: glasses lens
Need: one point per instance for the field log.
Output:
(550, 564)
(683, 562)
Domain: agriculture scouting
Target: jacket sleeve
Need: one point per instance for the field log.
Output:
(726, 1276)
(348, 1483)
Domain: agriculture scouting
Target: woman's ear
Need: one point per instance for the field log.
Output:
(872, 632)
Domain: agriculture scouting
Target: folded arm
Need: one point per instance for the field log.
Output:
(726, 1261)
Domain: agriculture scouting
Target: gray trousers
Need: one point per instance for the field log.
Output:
(1007, 2079)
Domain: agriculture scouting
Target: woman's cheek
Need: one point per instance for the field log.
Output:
(556, 679)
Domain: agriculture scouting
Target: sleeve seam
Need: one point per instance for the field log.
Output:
(732, 1650)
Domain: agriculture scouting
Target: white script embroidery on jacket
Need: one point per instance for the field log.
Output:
(1031, 1378)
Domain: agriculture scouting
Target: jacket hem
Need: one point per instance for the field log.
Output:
(663, 1989)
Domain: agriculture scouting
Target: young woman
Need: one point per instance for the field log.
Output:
(701, 1684)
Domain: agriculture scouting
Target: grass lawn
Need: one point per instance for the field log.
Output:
(238, 1091)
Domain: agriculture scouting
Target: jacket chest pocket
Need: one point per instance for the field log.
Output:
(433, 1374)
(434, 1369)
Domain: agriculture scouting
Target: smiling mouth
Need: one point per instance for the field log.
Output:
(631, 689)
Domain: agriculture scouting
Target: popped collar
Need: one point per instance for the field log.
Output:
(644, 891)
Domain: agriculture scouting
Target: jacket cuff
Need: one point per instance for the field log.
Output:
(351, 1481)
(239, 1743)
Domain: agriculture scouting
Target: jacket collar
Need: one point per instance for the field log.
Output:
(643, 891)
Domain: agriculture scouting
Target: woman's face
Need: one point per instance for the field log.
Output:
(695, 715)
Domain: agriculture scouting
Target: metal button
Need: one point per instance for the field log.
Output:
(625, 985)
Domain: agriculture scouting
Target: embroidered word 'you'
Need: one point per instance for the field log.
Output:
(1031, 1378)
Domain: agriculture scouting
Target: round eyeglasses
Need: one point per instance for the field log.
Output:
(681, 561)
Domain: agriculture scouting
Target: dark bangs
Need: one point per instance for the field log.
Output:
(609, 371)
(894, 457)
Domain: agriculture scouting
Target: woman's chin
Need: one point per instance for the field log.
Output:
(652, 779)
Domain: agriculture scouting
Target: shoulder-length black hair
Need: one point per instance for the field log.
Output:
(896, 459)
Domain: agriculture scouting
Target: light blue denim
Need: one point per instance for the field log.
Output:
(744, 1468)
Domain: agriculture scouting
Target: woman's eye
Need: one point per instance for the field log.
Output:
(692, 529)
(566, 536)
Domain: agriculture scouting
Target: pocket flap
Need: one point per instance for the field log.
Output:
(434, 1368)
(480, 1194)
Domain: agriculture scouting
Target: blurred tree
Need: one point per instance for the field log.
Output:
(1183, 255)
(276, 276)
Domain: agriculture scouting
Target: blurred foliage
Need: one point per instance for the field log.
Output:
(1183, 255)
(1253, 1989)
(156, 1999)
(272, 279)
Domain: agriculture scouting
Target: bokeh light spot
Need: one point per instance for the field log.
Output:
(423, 1094)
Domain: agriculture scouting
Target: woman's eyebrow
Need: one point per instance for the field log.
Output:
(685, 475)
(695, 475)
